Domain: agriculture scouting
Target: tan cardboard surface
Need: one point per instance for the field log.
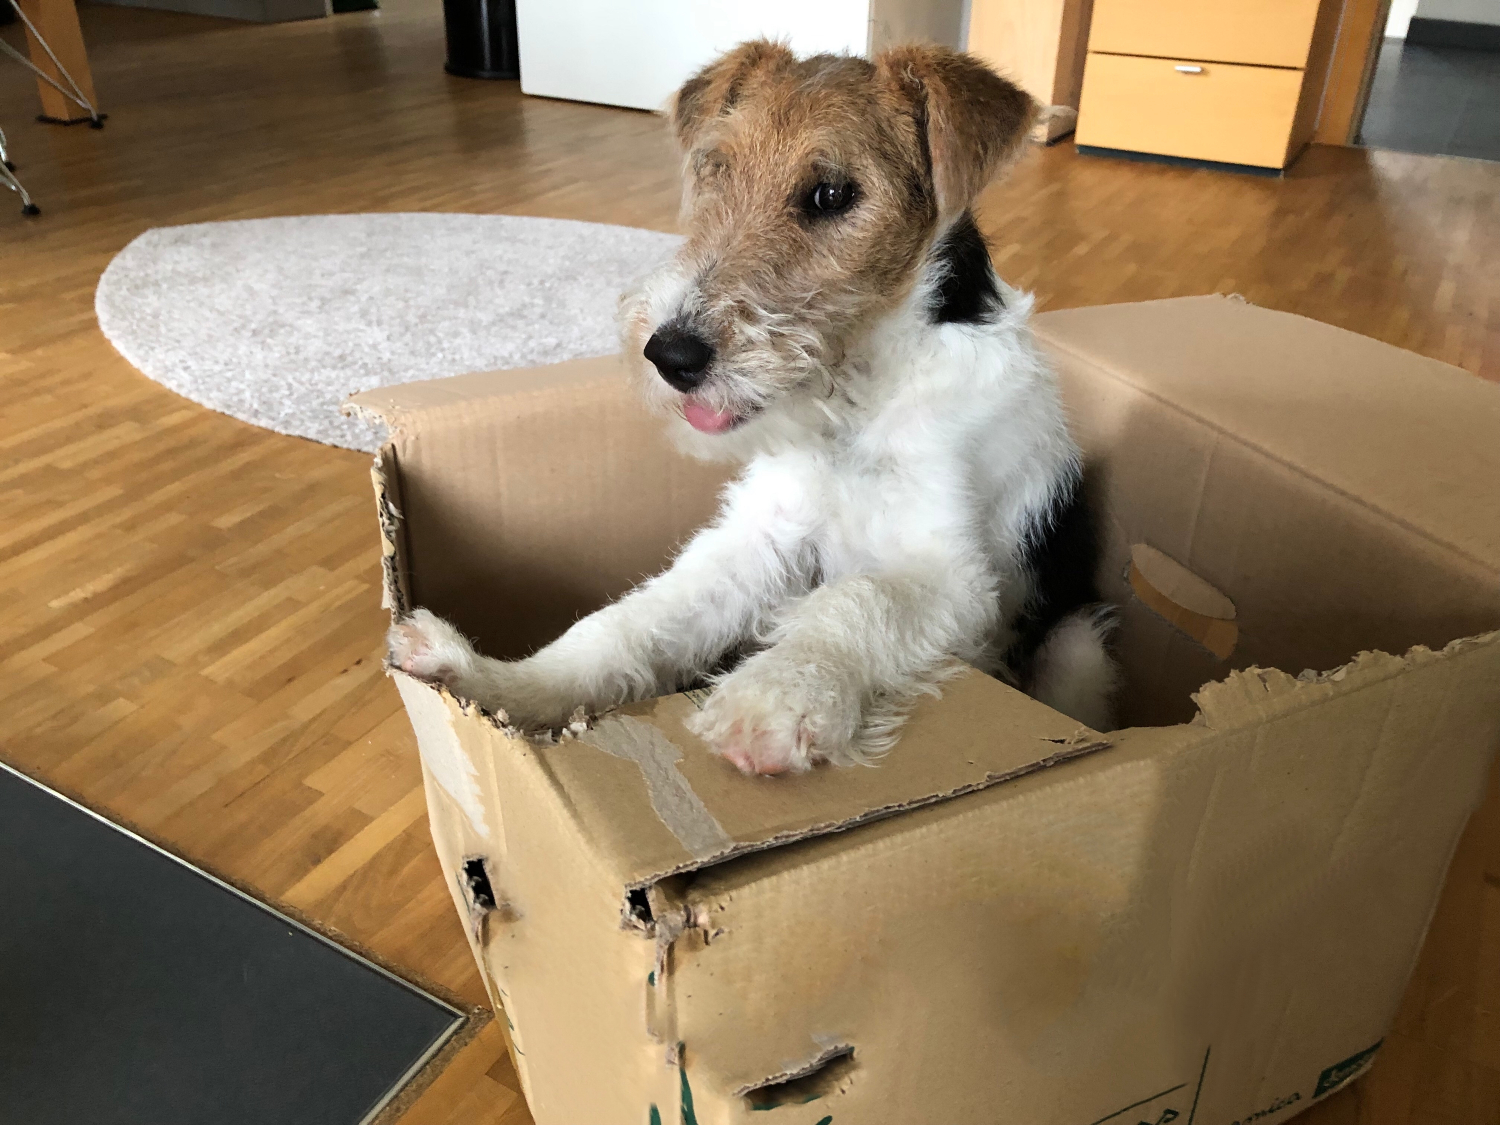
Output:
(688, 808)
(1180, 597)
(1223, 891)
(1005, 920)
(575, 1006)
(1192, 461)
(1209, 916)
(497, 473)
(1410, 436)
(647, 801)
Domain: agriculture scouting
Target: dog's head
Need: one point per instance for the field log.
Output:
(812, 191)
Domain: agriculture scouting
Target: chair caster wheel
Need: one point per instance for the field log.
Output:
(31, 209)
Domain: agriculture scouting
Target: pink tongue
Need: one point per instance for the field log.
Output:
(708, 421)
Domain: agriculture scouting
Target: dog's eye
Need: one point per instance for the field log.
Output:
(829, 198)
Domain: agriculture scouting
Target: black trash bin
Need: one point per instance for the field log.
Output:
(482, 38)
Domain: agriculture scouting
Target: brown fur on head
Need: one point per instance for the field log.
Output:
(812, 192)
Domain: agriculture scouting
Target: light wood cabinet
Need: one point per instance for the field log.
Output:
(1226, 81)
(1206, 111)
(1259, 32)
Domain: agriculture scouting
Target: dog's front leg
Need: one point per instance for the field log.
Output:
(664, 634)
(844, 664)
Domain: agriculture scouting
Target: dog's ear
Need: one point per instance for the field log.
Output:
(714, 90)
(971, 121)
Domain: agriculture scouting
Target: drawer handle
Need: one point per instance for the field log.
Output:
(1182, 69)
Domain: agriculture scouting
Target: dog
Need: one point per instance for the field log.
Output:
(910, 497)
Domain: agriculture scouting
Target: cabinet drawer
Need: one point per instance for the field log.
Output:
(1234, 114)
(1263, 32)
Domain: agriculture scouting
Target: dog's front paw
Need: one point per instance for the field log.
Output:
(769, 717)
(426, 646)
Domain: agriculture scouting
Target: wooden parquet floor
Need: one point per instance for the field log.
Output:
(190, 631)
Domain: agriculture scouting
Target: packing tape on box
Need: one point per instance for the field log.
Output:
(673, 799)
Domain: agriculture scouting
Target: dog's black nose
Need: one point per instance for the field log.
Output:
(680, 355)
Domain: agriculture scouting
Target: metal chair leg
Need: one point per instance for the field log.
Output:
(8, 178)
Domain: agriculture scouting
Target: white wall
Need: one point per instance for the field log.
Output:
(1400, 18)
(636, 52)
(1464, 11)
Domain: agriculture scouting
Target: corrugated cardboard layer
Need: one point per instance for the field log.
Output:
(1005, 919)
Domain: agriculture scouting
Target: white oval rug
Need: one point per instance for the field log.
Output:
(277, 321)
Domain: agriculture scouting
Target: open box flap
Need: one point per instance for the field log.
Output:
(649, 800)
(1411, 437)
(396, 406)
(654, 800)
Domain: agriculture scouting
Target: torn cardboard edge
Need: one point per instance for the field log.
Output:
(799, 1083)
(641, 907)
(370, 416)
(1208, 614)
(394, 594)
(1241, 698)
(1247, 695)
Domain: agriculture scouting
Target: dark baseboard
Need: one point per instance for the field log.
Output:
(1453, 33)
(251, 11)
(1178, 161)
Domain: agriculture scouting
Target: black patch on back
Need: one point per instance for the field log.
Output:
(968, 292)
(1063, 557)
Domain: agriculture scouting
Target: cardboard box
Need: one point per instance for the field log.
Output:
(1208, 917)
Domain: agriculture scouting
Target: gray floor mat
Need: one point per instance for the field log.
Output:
(136, 990)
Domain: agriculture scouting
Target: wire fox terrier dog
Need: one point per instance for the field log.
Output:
(910, 496)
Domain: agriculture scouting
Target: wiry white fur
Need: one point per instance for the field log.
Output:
(874, 537)
(1074, 673)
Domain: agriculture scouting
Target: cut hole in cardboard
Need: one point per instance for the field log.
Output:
(639, 906)
(824, 1075)
(1190, 604)
(477, 883)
